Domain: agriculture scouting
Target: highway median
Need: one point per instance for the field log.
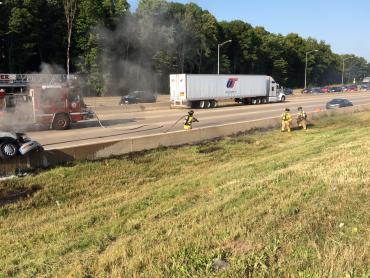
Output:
(116, 147)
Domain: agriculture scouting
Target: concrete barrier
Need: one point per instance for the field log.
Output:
(119, 147)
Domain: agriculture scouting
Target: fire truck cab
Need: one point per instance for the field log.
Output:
(58, 106)
(49, 99)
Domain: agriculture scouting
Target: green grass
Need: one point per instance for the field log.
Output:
(271, 204)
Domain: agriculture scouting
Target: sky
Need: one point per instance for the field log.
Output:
(343, 24)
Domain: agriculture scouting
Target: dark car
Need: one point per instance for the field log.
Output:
(316, 91)
(306, 91)
(12, 144)
(288, 91)
(365, 87)
(138, 97)
(336, 89)
(338, 103)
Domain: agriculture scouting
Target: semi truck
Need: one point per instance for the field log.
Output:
(205, 90)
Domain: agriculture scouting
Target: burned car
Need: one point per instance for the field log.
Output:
(12, 144)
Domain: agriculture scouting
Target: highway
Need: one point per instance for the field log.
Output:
(119, 124)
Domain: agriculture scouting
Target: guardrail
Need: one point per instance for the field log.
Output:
(119, 147)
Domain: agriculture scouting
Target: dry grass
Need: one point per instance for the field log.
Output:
(270, 204)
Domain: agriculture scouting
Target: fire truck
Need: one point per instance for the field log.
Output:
(44, 99)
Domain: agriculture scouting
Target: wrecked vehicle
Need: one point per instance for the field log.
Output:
(12, 144)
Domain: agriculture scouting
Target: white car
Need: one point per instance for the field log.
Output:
(12, 144)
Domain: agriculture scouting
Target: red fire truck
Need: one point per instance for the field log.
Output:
(50, 99)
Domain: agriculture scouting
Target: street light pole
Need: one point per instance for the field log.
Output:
(305, 71)
(343, 60)
(218, 59)
(218, 54)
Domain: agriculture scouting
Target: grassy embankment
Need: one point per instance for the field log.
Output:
(269, 204)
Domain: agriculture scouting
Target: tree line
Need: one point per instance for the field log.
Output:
(117, 50)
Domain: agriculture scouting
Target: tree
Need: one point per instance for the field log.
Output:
(70, 8)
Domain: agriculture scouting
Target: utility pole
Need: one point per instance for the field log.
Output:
(218, 54)
(343, 60)
(305, 71)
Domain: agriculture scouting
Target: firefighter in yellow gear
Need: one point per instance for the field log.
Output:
(286, 120)
(302, 118)
(189, 120)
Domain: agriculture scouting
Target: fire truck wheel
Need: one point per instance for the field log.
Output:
(61, 122)
(8, 150)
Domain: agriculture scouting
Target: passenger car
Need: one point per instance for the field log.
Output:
(316, 91)
(12, 144)
(351, 88)
(336, 89)
(138, 97)
(288, 91)
(338, 103)
(365, 87)
(325, 89)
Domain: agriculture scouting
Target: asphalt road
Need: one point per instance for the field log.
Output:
(119, 124)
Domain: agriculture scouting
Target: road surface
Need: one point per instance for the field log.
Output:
(120, 124)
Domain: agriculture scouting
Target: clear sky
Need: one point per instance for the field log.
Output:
(344, 24)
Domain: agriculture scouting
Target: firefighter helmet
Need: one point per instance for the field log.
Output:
(191, 112)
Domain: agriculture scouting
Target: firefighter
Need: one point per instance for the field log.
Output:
(2, 100)
(189, 120)
(286, 119)
(302, 118)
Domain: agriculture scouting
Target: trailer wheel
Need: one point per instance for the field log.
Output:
(8, 150)
(207, 104)
(213, 103)
(258, 100)
(61, 122)
(202, 104)
(254, 101)
(283, 99)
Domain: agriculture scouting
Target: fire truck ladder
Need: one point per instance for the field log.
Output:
(9, 80)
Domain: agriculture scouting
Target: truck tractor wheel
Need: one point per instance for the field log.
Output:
(264, 100)
(207, 104)
(8, 150)
(213, 103)
(61, 122)
(283, 99)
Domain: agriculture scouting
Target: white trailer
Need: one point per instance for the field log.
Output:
(205, 90)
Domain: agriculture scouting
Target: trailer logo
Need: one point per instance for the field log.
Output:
(231, 83)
